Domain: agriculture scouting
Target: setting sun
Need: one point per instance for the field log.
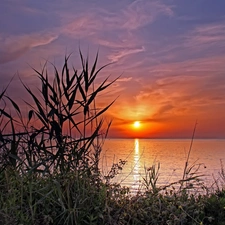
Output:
(137, 124)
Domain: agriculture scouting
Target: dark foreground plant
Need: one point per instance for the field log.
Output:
(64, 124)
(57, 199)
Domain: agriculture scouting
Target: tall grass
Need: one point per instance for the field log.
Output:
(63, 125)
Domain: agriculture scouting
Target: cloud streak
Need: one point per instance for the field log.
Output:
(114, 57)
(13, 47)
(206, 37)
(142, 12)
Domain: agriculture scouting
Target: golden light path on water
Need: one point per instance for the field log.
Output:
(136, 172)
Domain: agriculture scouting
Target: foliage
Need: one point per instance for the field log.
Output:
(62, 129)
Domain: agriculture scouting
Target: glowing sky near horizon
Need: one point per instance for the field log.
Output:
(170, 55)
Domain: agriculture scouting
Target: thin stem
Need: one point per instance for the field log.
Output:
(189, 152)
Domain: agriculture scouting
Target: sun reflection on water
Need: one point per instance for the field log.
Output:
(136, 168)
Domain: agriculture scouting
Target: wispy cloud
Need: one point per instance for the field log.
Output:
(12, 47)
(164, 110)
(142, 12)
(124, 79)
(206, 36)
(114, 57)
(115, 30)
(90, 25)
(81, 26)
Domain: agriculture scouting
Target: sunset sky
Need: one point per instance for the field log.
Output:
(170, 55)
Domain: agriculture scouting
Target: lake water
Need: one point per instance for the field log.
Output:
(170, 153)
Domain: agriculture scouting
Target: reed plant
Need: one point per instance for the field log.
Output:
(64, 124)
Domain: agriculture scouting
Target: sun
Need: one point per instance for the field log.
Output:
(136, 124)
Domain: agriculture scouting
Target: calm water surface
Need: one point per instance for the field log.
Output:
(170, 153)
